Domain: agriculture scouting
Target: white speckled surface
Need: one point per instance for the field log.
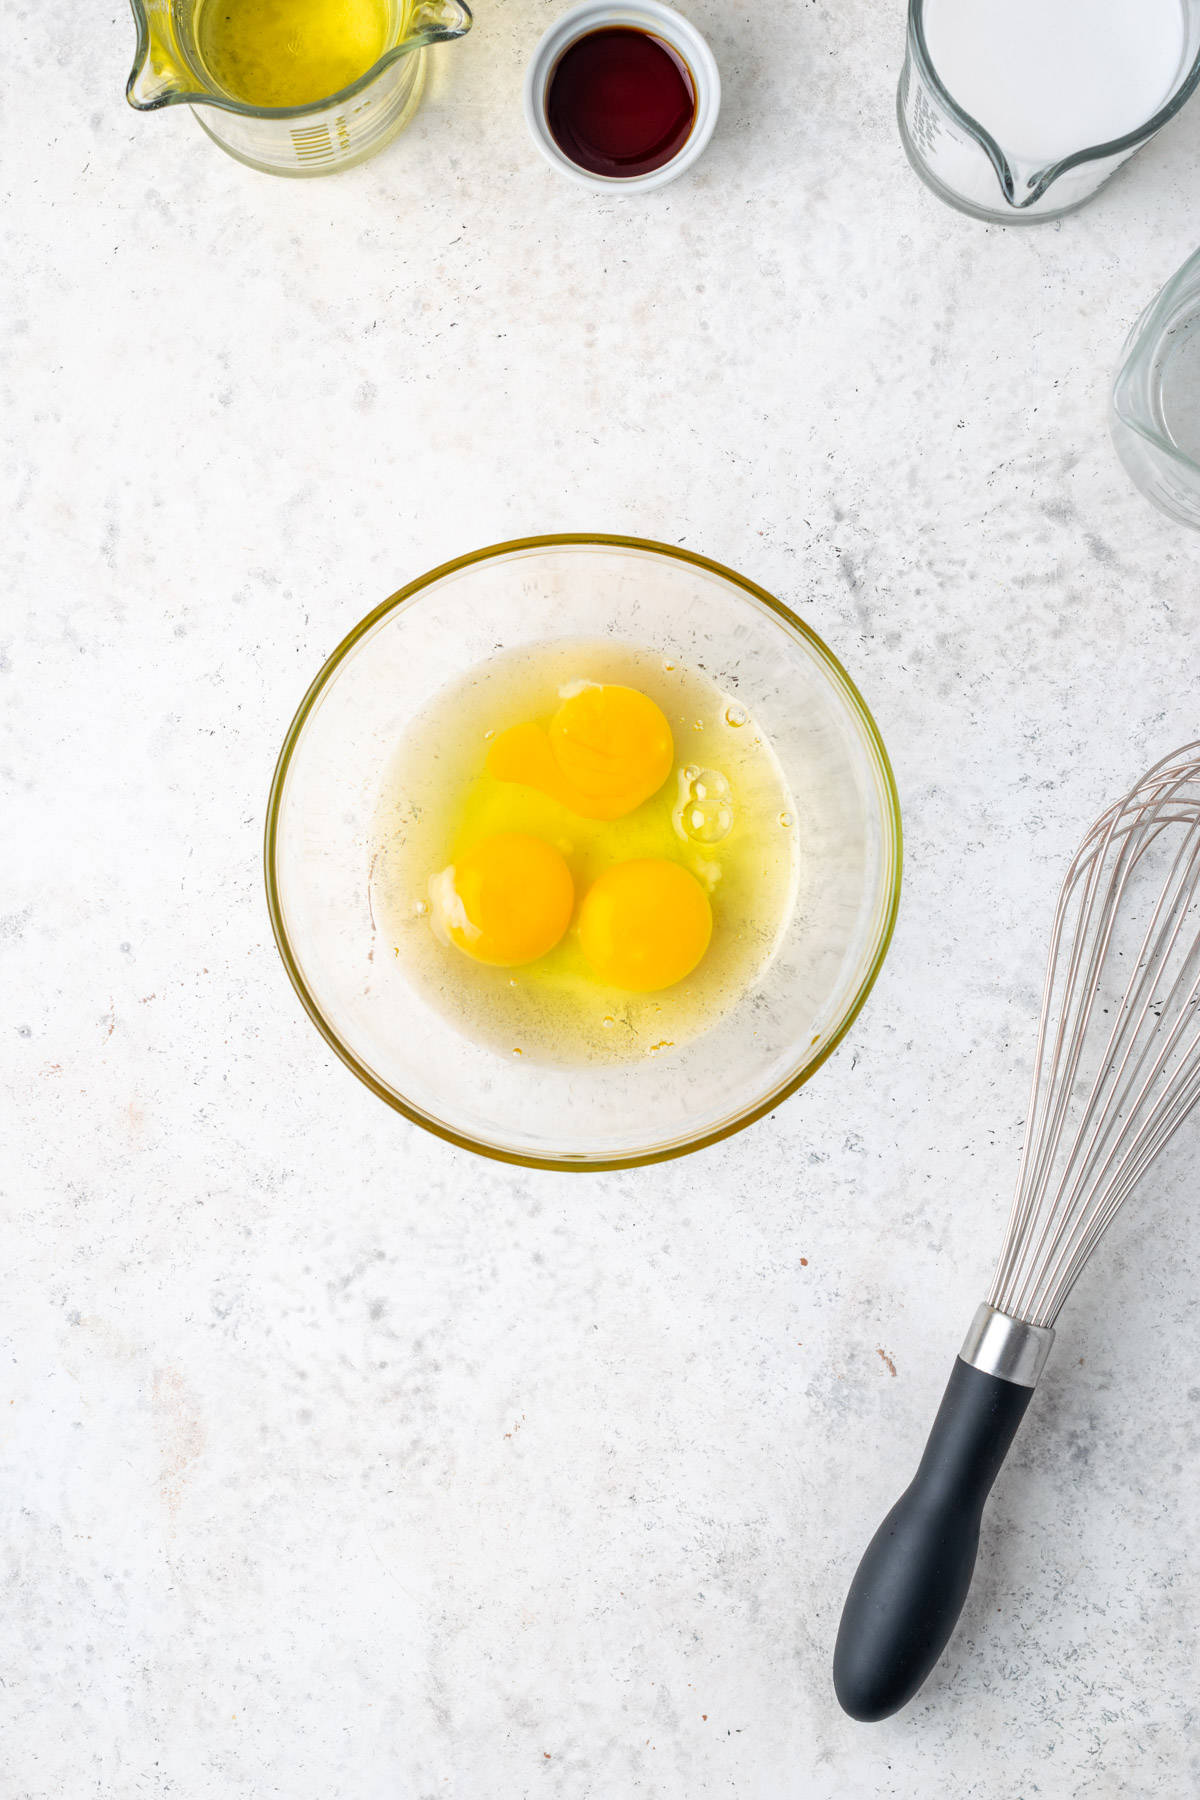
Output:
(339, 1465)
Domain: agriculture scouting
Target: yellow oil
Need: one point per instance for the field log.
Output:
(291, 52)
(437, 801)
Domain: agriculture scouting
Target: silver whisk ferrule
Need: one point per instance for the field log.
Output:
(1007, 1347)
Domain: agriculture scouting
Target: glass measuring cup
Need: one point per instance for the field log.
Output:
(966, 165)
(1154, 414)
(317, 138)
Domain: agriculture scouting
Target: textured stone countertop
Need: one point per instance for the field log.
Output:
(339, 1464)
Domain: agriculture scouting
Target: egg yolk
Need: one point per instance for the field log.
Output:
(507, 900)
(645, 925)
(606, 750)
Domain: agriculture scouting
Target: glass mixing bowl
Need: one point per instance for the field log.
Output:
(323, 815)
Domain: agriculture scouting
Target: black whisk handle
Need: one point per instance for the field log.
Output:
(910, 1586)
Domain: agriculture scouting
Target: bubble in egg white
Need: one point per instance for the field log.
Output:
(704, 812)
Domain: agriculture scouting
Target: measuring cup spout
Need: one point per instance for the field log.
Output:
(1023, 183)
(159, 74)
(436, 21)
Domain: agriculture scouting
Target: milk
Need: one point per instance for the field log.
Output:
(1049, 77)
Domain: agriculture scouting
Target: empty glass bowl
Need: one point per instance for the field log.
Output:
(323, 814)
(1154, 415)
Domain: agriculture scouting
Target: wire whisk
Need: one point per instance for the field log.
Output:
(1116, 1072)
(1111, 1083)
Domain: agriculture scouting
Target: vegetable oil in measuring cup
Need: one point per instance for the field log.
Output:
(290, 52)
(1047, 78)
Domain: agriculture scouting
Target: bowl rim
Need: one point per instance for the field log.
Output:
(568, 1162)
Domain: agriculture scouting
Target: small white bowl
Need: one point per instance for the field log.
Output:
(642, 15)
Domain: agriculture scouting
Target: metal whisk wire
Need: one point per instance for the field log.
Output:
(1090, 1136)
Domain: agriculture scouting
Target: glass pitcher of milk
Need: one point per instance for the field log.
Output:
(1020, 111)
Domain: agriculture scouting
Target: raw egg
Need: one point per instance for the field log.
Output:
(507, 900)
(644, 925)
(564, 750)
(606, 750)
